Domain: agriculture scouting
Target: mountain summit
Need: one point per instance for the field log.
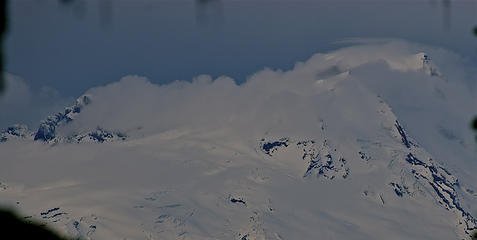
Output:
(364, 142)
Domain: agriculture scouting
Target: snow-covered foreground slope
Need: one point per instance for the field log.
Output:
(367, 142)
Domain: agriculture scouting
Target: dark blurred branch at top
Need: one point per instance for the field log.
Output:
(446, 8)
(3, 31)
(209, 11)
(66, 1)
(105, 13)
(474, 126)
(474, 123)
(80, 7)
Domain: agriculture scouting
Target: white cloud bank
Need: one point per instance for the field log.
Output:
(431, 90)
(435, 99)
(194, 146)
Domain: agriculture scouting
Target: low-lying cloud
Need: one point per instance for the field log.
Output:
(430, 90)
(392, 69)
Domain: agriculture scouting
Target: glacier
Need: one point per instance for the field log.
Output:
(371, 141)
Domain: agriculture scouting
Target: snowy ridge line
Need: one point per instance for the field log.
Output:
(324, 161)
(441, 181)
(212, 159)
(47, 131)
(443, 184)
(17, 131)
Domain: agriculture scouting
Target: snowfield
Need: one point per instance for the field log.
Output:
(371, 141)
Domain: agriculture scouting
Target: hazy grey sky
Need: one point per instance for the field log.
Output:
(71, 48)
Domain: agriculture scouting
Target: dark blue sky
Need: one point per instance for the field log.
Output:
(87, 43)
(75, 47)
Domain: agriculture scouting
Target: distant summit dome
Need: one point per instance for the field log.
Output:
(427, 65)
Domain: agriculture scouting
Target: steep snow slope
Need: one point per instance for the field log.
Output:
(333, 149)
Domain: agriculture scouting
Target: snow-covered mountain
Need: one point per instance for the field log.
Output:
(366, 142)
(47, 131)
